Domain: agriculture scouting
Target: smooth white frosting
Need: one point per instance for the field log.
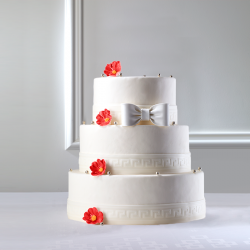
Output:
(135, 189)
(138, 199)
(136, 150)
(151, 139)
(136, 90)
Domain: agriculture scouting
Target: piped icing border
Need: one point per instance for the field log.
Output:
(142, 214)
(139, 163)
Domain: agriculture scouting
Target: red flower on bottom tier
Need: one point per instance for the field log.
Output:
(104, 118)
(98, 167)
(93, 216)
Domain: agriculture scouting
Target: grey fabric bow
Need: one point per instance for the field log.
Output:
(157, 114)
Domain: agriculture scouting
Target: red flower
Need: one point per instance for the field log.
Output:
(98, 167)
(93, 216)
(113, 69)
(104, 118)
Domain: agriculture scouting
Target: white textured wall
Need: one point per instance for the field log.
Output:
(32, 97)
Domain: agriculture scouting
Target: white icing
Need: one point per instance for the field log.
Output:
(138, 193)
(142, 214)
(135, 189)
(134, 140)
(139, 163)
(135, 90)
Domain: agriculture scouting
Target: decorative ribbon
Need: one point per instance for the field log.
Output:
(157, 114)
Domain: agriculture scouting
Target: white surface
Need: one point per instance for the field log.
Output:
(38, 221)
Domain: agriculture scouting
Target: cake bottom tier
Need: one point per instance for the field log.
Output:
(138, 199)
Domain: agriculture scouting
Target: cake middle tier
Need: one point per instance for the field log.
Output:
(136, 150)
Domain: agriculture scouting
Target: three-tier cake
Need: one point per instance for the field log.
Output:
(140, 161)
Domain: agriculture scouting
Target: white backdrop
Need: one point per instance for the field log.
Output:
(204, 44)
(32, 151)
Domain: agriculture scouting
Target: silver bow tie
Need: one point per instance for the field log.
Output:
(157, 114)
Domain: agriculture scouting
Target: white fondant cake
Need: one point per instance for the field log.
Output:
(149, 178)
(136, 150)
(110, 92)
(137, 90)
(138, 199)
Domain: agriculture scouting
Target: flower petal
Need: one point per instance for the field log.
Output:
(96, 165)
(95, 211)
(118, 66)
(99, 217)
(115, 65)
(86, 216)
(100, 118)
(96, 174)
(90, 210)
(106, 112)
(108, 69)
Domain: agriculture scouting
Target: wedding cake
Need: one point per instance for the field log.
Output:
(134, 161)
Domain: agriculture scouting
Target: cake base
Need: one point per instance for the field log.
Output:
(138, 199)
(143, 214)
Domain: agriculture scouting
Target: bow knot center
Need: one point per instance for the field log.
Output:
(145, 114)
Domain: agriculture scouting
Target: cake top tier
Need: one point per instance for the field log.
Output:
(138, 90)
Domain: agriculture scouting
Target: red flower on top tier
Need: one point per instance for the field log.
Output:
(113, 69)
(104, 118)
(93, 216)
(98, 167)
